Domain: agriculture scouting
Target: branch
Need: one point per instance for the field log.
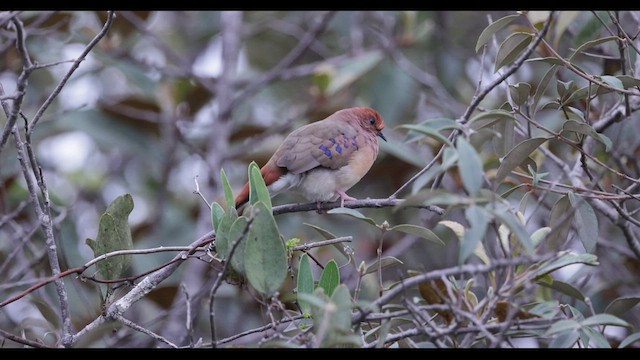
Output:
(23, 341)
(73, 68)
(142, 288)
(478, 97)
(143, 330)
(289, 59)
(353, 204)
(305, 247)
(362, 313)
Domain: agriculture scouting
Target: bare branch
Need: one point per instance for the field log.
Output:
(146, 331)
(353, 204)
(74, 66)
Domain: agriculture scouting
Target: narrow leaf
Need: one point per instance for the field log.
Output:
(586, 129)
(330, 277)
(564, 288)
(418, 231)
(265, 254)
(351, 212)
(605, 319)
(514, 225)
(432, 133)
(567, 259)
(590, 44)
(478, 221)
(228, 193)
(516, 156)
(540, 235)
(586, 223)
(562, 326)
(629, 340)
(488, 118)
(470, 166)
(305, 282)
(511, 47)
(595, 338)
(559, 230)
(235, 232)
(456, 227)
(494, 27)
(257, 188)
(621, 305)
(217, 212)
(544, 83)
(613, 81)
(385, 262)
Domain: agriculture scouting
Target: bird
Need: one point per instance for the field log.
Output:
(324, 159)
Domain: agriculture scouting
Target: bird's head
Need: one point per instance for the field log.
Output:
(367, 118)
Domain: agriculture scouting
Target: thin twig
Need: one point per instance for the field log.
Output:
(143, 330)
(305, 247)
(67, 76)
(221, 277)
(352, 204)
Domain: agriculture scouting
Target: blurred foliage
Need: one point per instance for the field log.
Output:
(540, 167)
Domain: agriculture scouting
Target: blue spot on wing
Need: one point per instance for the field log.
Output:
(339, 149)
(353, 142)
(326, 150)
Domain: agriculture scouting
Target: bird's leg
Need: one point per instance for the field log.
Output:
(343, 197)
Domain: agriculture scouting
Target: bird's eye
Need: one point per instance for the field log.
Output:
(372, 121)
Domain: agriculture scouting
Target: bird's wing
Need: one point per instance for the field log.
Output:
(326, 143)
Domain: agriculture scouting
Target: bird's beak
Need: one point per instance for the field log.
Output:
(382, 135)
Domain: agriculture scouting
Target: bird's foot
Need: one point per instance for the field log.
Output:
(343, 197)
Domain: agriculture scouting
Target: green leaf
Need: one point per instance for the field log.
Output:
(384, 262)
(605, 319)
(234, 234)
(586, 223)
(568, 258)
(613, 81)
(515, 226)
(595, 337)
(559, 223)
(418, 231)
(511, 47)
(586, 129)
(223, 242)
(494, 27)
(565, 340)
(544, 83)
(590, 44)
(488, 118)
(228, 193)
(257, 188)
(562, 326)
(305, 282)
(456, 227)
(330, 277)
(351, 212)
(470, 166)
(552, 60)
(621, 305)
(629, 340)
(217, 212)
(341, 319)
(114, 234)
(430, 132)
(628, 81)
(265, 254)
(520, 92)
(540, 235)
(478, 221)
(342, 248)
(564, 288)
(516, 156)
